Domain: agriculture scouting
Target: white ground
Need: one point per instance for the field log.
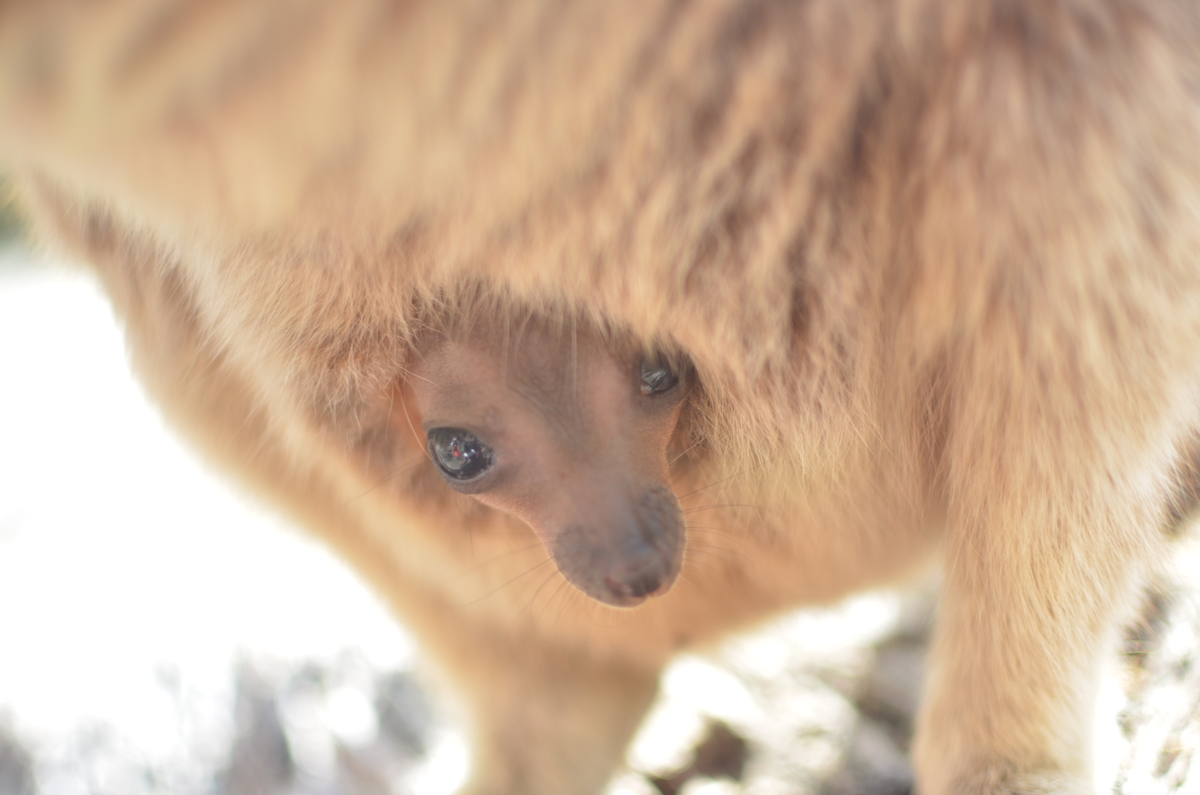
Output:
(130, 576)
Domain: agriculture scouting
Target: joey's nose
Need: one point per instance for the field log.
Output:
(631, 581)
(636, 569)
(626, 554)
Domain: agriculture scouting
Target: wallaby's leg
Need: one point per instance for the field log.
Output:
(1023, 627)
(1054, 516)
(1072, 365)
(543, 721)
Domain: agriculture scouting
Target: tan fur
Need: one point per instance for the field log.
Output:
(934, 262)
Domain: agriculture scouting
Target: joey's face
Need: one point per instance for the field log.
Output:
(570, 437)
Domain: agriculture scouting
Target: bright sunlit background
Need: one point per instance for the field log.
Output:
(134, 583)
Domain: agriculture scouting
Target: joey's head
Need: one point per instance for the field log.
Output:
(570, 435)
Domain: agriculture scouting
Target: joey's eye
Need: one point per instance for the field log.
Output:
(656, 377)
(459, 454)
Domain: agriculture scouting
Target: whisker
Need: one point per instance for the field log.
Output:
(392, 474)
(684, 579)
(711, 551)
(602, 615)
(457, 500)
(716, 506)
(703, 529)
(571, 593)
(477, 565)
(563, 583)
(737, 550)
(684, 452)
(504, 585)
(533, 619)
(707, 555)
(700, 546)
(707, 486)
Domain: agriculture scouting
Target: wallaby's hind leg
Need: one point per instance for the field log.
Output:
(1027, 617)
(1055, 517)
(545, 721)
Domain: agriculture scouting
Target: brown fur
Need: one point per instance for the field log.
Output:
(934, 263)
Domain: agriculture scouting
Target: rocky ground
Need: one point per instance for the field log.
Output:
(1160, 719)
(819, 703)
(839, 722)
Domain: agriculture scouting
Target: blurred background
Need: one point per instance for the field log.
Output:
(161, 633)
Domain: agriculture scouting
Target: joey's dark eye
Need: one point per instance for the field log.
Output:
(656, 377)
(461, 455)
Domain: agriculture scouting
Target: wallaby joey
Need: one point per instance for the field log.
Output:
(570, 438)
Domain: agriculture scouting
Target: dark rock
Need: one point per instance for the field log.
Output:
(260, 761)
(721, 754)
(16, 765)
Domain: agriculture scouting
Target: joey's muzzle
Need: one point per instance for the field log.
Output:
(624, 551)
